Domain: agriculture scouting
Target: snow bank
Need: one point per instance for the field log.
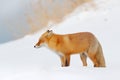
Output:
(20, 61)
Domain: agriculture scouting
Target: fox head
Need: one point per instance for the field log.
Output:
(44, 38)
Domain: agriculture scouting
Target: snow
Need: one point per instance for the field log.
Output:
(19, 60)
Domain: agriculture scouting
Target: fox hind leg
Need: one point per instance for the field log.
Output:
(83, 57)
(94, 59)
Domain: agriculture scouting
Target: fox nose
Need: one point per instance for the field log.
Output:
(34, 46)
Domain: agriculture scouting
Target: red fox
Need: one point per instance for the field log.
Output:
(83, 43)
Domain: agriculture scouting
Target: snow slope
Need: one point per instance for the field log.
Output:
(20, 61)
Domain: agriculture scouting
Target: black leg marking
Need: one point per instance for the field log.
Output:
(66, 63)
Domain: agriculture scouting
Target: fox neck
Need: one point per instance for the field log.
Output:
(52, 41)
(49, 38)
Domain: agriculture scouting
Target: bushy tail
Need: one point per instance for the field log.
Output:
(100, 57)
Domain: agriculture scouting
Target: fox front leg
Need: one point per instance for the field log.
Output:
(65, 61)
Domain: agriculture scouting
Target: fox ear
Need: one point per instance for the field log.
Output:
(50, 32)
